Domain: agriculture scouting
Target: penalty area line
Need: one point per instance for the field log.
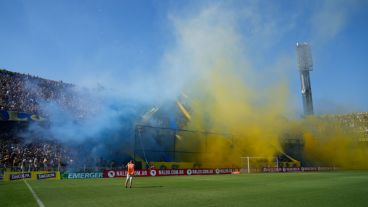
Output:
(35, 196)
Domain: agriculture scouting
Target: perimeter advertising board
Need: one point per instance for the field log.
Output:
(297, 169)
(73, 175)
(168, 172)
(42, 175)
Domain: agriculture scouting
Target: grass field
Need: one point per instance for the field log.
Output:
(278, 189)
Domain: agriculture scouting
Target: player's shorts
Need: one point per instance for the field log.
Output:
(130, 176)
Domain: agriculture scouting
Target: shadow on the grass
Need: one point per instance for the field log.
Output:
(150, 186)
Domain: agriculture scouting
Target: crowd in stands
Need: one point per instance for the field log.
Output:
(358, 120)
(355, 121)
(17, 154)
(26, 93)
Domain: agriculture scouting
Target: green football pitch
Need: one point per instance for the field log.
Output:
(277, 189)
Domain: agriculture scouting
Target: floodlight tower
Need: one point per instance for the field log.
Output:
(305, 64)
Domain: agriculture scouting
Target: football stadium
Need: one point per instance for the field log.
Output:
(218, 119)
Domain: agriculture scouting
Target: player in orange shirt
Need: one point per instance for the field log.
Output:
(130, 174)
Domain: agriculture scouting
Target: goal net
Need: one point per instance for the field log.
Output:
(256, 164)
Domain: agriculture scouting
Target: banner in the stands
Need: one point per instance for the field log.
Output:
(18, 116)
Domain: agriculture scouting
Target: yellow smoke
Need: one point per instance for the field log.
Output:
(224, 104)
(230, 97)
(329, 142)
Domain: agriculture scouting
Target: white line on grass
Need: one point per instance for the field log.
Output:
(39, 202)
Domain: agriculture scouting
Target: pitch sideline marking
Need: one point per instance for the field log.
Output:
(39, 202)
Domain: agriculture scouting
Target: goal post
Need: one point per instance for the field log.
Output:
(256, 163)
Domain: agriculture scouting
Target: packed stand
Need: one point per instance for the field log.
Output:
(356, 121)
(26, 93)
(22, 155)
(16, 155)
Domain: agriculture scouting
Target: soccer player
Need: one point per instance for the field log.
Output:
(130, 174)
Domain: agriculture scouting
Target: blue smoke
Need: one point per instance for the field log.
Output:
(98, 124)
